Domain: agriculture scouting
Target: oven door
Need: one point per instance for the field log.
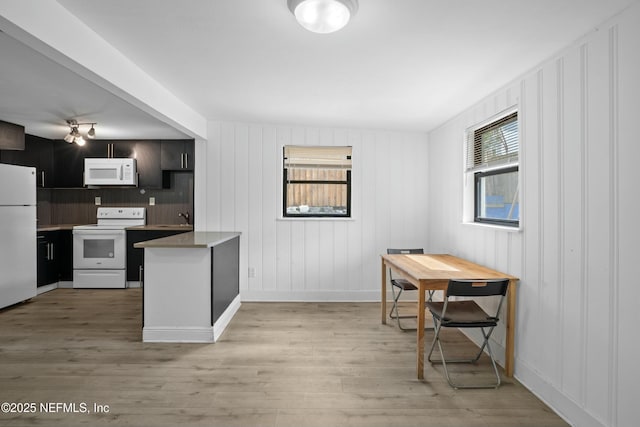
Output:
(99, 249)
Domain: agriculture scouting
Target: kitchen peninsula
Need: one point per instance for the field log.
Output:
(191, 286)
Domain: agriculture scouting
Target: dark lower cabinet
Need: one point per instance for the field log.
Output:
(64, 255)
(135, 256)
(47, 271)
(55, 257)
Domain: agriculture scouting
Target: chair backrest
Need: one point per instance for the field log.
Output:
(477, 288)
(405, 251)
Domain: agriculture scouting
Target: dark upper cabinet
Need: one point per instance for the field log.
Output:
(61, 165)
(70, 160)
(69, 164)
(147, 154)
(106, 149)
(38, 153)
(177, 155)
(12, 136)
(100, 149)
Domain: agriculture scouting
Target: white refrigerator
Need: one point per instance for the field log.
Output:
(18, 263)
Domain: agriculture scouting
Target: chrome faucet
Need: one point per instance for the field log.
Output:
(185, 216)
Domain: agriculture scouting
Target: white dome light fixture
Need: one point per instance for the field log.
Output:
(323, 16)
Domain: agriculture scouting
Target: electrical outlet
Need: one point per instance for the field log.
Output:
(252, 272)
(98, 201)
(152, 201)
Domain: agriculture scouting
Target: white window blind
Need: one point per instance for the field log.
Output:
(312, 157)
(495, 144)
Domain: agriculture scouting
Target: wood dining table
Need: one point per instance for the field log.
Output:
(432, 272)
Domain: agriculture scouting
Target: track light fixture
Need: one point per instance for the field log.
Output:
(74, 133)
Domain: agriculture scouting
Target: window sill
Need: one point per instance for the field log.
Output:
(315, 218)
(495, 227)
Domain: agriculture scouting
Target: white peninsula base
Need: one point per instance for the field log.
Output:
(191, 284)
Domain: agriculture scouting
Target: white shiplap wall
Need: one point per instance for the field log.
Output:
(241, 181)
(577, 342)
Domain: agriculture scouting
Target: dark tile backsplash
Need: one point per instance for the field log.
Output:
(77, 206)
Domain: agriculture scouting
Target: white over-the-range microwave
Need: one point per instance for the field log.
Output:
(110, 172)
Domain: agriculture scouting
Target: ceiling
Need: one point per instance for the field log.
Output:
(399, 65)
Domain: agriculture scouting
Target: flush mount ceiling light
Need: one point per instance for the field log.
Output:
(323, 16)
(74, 133)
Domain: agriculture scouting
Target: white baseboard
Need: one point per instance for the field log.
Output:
(311, 296)
(562, 405)
(224, 319)
(193, 334)
(46, 288)
(178, 334)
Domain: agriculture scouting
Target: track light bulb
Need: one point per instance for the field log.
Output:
(92, 132)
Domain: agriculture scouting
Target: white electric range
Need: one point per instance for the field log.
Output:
(100, 250)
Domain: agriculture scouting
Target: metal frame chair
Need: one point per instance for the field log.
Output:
(467, 314)
(402, 285)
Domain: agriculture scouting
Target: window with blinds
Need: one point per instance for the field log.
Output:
(492, 157)
(316, 181)
(494, 145)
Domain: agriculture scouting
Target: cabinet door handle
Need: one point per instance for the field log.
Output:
(42, 177)
(48, 251)
(140, 275)
(52, 256)
(186, 160)
(181, 160)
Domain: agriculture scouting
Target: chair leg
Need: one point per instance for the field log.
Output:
(444, 361)
(394, 308)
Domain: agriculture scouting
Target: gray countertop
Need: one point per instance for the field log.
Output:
(56, 227)
(193, 239)
(172, 227)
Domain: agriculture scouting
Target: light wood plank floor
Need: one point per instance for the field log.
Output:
(278, 364)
